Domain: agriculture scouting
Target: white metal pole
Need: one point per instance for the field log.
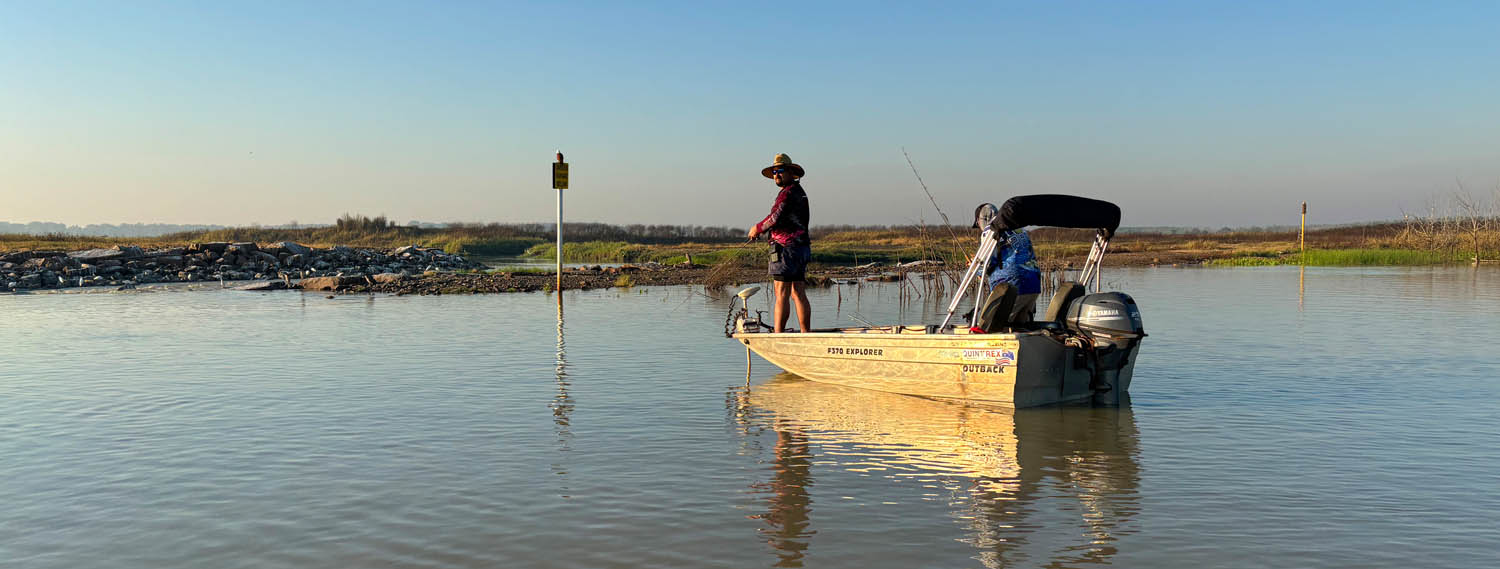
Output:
(559, 183)
(559, 245)
(981, 259)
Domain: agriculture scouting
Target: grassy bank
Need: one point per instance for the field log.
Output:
(467, 241)
(1364, 246)
(1351, 258)
(59, 242)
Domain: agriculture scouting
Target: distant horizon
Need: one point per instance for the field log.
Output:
(931, 219)
(1213, 114)
(122, 229)
(927, 215)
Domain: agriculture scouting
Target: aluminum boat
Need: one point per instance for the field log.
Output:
(1083, 348)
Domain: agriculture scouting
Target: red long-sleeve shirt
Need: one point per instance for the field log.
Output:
(787, 223)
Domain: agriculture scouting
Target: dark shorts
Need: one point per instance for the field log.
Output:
(789, 264)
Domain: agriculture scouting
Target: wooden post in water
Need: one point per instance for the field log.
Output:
(559, 183)
(1302, 234)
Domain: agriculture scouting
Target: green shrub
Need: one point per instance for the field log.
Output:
(495, 247)
(1343, 258)
(589, 251)
(737, 257)
(1367, 257)
(1245, 262)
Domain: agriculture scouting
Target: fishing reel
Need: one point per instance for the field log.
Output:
(739, 319)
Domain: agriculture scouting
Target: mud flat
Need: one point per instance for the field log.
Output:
(626, 276)
(404, 270)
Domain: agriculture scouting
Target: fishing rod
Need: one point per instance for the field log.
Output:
(946, 223)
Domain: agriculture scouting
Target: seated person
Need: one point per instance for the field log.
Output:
(1013, 262)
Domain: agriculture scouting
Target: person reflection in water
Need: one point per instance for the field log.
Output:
(789, 504)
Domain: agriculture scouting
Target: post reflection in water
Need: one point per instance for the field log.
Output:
(1051, 486)
(562, 403)
(1301, 286)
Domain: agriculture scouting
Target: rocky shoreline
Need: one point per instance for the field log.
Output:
(404, 270)
(345, 270)
(277, 264)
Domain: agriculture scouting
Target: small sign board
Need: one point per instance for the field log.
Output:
(559, 175)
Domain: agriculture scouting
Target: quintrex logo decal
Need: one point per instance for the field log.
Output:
(1002, 359)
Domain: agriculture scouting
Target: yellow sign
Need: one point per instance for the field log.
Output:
(559, 175)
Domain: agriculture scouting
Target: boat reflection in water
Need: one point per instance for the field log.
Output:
(1051, 485)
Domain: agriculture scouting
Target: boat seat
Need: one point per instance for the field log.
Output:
(994, 313)
(1067, 292)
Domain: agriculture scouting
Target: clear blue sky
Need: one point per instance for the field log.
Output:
(1185, 113)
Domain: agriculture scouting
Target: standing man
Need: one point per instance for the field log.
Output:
(791, 246)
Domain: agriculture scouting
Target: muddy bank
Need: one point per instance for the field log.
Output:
(654, 274)
(406, 270)
(585, 279)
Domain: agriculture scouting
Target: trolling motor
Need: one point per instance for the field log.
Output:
(739, 319)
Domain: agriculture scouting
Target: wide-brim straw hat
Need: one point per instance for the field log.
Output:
(783, 161)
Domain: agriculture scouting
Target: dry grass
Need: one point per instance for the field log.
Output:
(58, 242)
(1456, 232)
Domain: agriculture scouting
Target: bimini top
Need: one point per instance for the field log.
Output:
(1057, 210)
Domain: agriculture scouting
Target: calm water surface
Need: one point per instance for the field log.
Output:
(1352, 425)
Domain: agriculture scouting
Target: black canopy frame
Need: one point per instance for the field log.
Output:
(1058, 210)
(1049, 210)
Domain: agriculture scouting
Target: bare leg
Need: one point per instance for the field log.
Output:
(804, 309)
(780, 310)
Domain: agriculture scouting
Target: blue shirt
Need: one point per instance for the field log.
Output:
(1013, 262)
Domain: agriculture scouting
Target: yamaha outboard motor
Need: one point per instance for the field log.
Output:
(1112, 324)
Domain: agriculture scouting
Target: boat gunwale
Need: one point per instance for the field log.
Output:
(911, 336)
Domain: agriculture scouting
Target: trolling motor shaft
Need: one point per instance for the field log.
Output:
(737, 319)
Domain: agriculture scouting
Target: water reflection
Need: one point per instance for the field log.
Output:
(788, 501)
(562, 402)
(1056, 486)
(1068, 454)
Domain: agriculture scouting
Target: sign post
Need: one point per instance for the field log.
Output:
(559, 183)
(1302, 234)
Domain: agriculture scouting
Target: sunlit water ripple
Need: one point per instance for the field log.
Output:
(1353, 424)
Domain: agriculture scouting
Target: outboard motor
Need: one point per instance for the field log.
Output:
(1111, 322)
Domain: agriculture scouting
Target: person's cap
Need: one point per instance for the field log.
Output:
(984, 214)
(782, 161)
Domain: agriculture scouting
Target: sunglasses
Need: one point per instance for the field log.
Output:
(778, 170)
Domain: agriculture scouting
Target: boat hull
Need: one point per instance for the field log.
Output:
(1020, 370)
